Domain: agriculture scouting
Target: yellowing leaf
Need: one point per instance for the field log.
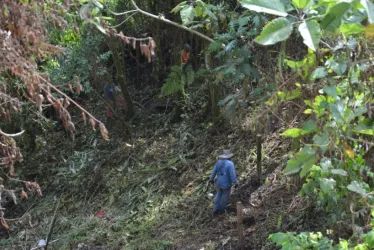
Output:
(348, 150)
(369, 31)
(308, 111)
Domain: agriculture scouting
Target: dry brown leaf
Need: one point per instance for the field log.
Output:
(66, 103)
(28, 185)
(70, 88)
(13, 195)
(4, 223)
(93, 124)
(134, 43)
(71, 127)
(24, 195)
(104, 132)
(78, 88)
(84, 118)
(58, 104)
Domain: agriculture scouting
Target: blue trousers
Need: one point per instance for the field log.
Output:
(221, 200)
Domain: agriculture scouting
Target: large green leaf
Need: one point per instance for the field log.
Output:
(352, 28)
(293, 132)
(369, 6)
(179, 7)
(319, 72)
(275, 31)
(357, 187)
(322, 141)
(311, 33)
(327, 185)
(310, 126)
(331, 90)
(303, 160)
(333, 18)
(337, 111)
(187, 14)
(365, 127)
(300, 4)
(274, 7)
(339, 171)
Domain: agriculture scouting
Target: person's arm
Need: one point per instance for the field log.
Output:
(233, 175)
(213, 175)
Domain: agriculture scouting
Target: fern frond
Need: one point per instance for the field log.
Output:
(173, 83)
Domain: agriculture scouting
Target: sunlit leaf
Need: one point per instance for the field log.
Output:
(357, 188)
(275, 31)
(311, 33)
(187, 14)
(177, 8)
(351, 29)
(339, 172)
(369, 6)
(348, 150)
(369, 31)
(274, 7)
(300, 4)
(308, 111)
(327, 185)
(293, 132)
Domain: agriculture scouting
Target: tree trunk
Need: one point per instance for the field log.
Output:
(213, 87)
(138, 83)
(114, 44)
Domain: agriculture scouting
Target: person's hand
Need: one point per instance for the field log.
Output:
(211, 181)
(236, 186)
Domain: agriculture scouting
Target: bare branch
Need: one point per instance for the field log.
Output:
(162, 19)
(122, 13)
(123, 21)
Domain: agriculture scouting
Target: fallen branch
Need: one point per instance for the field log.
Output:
(11, 135)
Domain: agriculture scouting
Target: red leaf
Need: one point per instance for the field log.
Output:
(100, 214)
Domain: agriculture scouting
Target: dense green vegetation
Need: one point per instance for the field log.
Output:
(295, 73)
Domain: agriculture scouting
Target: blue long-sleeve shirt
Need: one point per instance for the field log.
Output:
(225, 171)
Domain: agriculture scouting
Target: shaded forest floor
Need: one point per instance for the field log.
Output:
(153, 189)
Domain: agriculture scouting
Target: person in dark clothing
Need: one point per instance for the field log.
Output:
(185, 58)
(226, 177)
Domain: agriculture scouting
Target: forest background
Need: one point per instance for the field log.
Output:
(294, 77)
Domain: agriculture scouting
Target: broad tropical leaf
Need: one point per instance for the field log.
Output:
(311, 33)
(369, 6)
(293, 132)
(275, 31)
(319, 72)
(187, 14)
(333, 18)
(303, 160)
(274, 7)
(351, 29)
(357, 188)
(300, 4)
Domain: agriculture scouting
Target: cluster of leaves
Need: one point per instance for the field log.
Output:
(23, 45)
(175, 81)
(288, 241)
(338, 130)
(311, 19)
